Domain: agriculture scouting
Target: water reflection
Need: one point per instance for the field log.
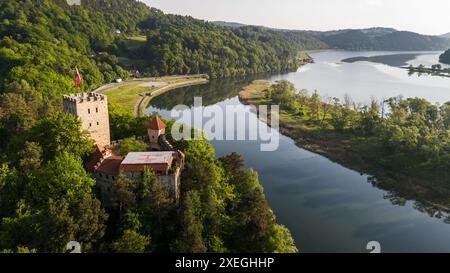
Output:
(212, 93)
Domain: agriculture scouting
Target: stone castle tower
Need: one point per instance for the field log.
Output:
(155, 129)
(92, 110)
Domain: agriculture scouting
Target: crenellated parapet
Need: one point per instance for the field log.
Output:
(92, 110)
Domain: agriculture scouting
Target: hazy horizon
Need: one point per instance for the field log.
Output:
(429, 17)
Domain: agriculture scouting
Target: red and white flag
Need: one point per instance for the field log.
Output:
(77, 79)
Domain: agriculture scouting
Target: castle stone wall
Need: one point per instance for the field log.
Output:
(92, 110)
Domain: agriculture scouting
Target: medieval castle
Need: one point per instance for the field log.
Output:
(165, 162)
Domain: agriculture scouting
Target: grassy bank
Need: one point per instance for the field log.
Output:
(365, 154)
(134, 95)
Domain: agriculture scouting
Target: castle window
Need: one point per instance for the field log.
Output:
(90, 124)
(98, 123)
(96, 109)
(89, 111)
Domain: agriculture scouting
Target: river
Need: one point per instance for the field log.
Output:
(327, 207)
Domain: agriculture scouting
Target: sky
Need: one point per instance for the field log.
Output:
(422, 16)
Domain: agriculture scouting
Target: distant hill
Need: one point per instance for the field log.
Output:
(228, 24)
(382, 39)
(300, 38)
(371, 32)
(376, 38)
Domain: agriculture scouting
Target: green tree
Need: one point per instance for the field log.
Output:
(132, 145)
(131, 242)
(15, 116)
(54, 227)
(370, 119)
(315, 106)
(59, 133)
(341, 116)
(123, 197)
(190, 238)
(90, 219)
(10, 190)
(63, 177)
(156, 206)
(30, 158)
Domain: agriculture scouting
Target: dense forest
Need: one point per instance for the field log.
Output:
(47, 199)
(445, 57)
(184, 45)
(41, 43)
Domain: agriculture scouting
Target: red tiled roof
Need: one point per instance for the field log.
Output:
(110, 165)
(100, 148)
(95, 157)
(156, 124)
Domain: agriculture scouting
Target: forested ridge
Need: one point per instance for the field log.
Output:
(382, 39)
(184, 45)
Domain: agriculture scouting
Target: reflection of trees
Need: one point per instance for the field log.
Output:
(447, 220)
(395, 199)
(211, 93)
(399, 193)
(435, 70)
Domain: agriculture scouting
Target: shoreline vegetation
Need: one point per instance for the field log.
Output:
(366, 140)
(434, 70)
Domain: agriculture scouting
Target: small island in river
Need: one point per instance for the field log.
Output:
(392, 60)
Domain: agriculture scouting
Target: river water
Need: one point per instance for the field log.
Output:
(327, 207)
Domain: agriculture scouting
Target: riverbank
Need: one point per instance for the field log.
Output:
(422, 70)
(134, 95)
(355, 152)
